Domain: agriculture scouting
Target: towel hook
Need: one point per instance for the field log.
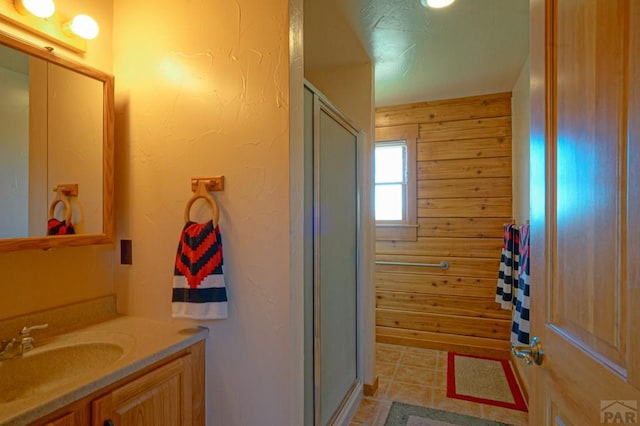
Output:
(61, 198)
(201, 192)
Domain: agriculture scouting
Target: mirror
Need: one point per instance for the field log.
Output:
(56, 129)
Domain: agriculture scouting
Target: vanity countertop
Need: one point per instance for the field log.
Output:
(139, 342)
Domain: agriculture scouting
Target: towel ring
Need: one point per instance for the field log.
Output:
(61, 198)
(201, 192)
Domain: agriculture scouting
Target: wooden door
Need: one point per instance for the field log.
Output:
(160, 398)
(585, 207)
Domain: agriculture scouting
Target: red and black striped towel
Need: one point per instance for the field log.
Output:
(59, 227)
(199, 290)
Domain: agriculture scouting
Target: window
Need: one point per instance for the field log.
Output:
(391, 181)
(395, 183)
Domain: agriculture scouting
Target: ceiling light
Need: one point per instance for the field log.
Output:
(436, 4)
(39, 8)
(83, 26)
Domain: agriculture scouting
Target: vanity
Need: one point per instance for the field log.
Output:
(111, 370)
(89, 365)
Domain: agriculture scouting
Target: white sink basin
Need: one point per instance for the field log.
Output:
(51, 367)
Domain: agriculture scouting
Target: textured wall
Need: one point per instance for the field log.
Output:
(520, 105)
(37, 280)
(202, 89)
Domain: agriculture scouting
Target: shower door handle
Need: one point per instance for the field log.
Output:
(530, 354)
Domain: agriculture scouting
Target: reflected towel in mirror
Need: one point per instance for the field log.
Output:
(59, 227)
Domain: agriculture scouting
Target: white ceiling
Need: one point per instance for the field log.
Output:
(472, 47)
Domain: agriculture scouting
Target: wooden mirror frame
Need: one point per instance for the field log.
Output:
(107, 235)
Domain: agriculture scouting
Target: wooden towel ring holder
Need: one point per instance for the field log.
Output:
(61, 198)
(201, 192)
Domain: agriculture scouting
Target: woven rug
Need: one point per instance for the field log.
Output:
(484, 380)
(402, 414)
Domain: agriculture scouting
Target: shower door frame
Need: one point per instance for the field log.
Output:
(354, 394)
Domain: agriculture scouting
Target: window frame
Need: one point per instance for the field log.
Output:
(403, 183)
(407, 228)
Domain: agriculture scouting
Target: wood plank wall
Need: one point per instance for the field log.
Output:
(464, 199)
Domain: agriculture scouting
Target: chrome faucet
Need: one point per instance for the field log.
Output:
(17, 346)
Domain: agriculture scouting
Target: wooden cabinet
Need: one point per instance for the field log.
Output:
(161, 397)
(168, 393)
(66, 420)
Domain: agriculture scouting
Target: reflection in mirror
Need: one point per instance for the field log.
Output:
(74, 143)
(14, 143)
(65, 112)
(56, 128)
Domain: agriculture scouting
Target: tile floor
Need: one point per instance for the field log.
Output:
(419, 377)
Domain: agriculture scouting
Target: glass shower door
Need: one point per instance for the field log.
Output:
(336, 278)
(331, 288)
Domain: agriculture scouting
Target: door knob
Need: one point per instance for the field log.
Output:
(531, 353)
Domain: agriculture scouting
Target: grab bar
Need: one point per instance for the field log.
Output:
(444, 264)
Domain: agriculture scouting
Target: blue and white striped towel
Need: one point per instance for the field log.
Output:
(520, 328)
(508, 274)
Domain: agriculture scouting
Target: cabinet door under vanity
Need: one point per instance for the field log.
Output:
(68, 419)
(170, 393)
(161, 397)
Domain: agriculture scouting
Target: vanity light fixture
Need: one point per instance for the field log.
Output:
(30, 15)
(83, 26)
(436, 4)
(40, 8)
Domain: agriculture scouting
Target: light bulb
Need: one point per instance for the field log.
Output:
(436, 4)
(39, 8)
(84, 26)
